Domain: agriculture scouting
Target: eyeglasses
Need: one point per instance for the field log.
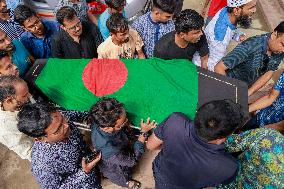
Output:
(73, 28)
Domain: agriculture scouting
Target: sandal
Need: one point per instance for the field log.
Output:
(133, 184)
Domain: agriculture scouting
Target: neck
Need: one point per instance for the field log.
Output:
(40, 36)
(154, 17)
(116, 42)
(233, 18)
(75, 38)
(180, 42)
(6, 107)
(268, 52)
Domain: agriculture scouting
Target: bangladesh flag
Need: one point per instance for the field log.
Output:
(147, 87)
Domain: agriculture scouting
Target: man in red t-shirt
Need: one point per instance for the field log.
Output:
(215, 6)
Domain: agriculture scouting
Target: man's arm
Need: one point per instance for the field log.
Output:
(278, 126)
(154, 143)
(204, 61)
(141, 54)
(260, 82)
(265, 101)
(236, 57)
(73, 115)
(220, 68)
(93, 18)
(81, 177)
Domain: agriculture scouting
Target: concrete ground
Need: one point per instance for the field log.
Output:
(15, 173)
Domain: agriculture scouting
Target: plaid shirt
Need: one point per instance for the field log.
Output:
(10, 27)
(151, 32)
(248, 61)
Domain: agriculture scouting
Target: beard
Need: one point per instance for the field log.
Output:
(4, 10)
(10, 48)
(244, 21)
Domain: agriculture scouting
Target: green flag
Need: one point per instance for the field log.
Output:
(147, 87)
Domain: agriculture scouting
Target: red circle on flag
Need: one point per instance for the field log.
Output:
(104, 76)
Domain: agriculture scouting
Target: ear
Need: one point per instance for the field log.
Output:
(38, 139)
(107, 129)
(62, 27)
(9, 100)
(24, 28)
(274, 35)
(156, 12)
(237, 11)
(181, 35)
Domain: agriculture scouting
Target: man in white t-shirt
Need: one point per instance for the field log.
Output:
(123, 41)
(14, 93)
(223, 28)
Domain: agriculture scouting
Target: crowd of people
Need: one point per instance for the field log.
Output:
(218, 149)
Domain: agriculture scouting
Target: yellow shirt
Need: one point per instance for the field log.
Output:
(127, 50)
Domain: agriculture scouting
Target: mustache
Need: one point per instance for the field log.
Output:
(5, 10)
(244, 21)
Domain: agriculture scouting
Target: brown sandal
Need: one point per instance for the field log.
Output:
(133, 184)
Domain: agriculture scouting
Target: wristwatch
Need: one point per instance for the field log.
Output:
(144, 134)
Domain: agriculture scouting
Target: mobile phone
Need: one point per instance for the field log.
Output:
(91, 156)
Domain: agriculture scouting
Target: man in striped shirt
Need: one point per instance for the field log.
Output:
(7, 22)
(255, 60)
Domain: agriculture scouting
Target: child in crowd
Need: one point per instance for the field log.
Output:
(81, 7)
(123, 42)
(110, 136)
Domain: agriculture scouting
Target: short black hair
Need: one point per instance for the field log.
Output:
(117, 23)
(106, 112)
(188, 20)
(33, 119)
(167, 6)
(115, 4)
(280, 28)
(7, 86)
(218, 119)
(22, 13)
(65, 12)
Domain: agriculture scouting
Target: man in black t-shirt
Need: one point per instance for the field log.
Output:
(187, 39)
(77, 39)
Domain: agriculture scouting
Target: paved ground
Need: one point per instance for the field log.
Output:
(15, 173)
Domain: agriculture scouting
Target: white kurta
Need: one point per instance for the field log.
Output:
(219, 33)
(11, 137)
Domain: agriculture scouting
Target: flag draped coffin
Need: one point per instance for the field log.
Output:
(147, 87)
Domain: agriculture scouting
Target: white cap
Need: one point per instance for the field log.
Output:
(237, 3)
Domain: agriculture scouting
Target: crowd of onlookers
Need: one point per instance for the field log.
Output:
(219, 148)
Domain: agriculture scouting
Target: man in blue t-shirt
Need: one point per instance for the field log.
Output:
(38, 33)
(114, 6)
(192, 153)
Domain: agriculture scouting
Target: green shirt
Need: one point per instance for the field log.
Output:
(261, 164)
